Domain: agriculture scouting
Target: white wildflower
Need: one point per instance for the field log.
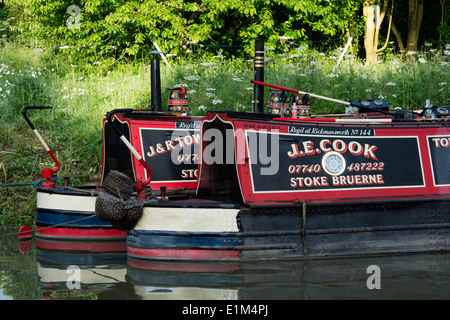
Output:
(369, 90)
(364, 76)
(410, 53)
(63, 47)
(210, 94)
(191, 78)
(422, 60)
(201, 108)
(216, 101)
(442, 84)
(191, 91)
(210, 89)
(207, 64)
(391, 84)
(301, 49)
(428, 44)
(331, 75)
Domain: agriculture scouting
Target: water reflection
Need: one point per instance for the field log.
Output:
(402, 277)
(105, 272)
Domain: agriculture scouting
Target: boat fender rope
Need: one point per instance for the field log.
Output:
(117, 204)
(305, 251)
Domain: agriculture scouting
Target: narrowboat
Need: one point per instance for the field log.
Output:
(278, 188)
(239, 186)
(68, 212)
(275, 188)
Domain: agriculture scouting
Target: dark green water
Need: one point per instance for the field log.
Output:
(29, 272)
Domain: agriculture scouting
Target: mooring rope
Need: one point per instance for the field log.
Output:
(34, 184)
(48, 227)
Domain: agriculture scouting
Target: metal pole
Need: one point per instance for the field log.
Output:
(303, 92)
(258, 91)
(162, 55)
(156, 85)
(343, 52)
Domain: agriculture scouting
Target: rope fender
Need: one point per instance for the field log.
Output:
(117, 204)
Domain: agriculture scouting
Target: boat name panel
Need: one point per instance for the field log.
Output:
(439, 149)
(176, 151)
(315, 162)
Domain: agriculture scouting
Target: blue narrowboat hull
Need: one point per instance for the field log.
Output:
(299, 232)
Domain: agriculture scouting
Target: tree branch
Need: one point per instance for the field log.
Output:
(389, 28)
(398, 37)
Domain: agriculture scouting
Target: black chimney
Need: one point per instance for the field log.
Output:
(156, 85)
(258, 91)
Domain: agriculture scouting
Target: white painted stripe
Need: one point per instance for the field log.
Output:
(98, 274)
(188, 219)
(180, 293)
(65, 202)
(41, 140)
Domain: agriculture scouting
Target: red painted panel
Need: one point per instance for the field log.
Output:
(194, 254)
(68, 233)
(82, 246)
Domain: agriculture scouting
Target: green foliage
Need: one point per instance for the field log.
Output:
(113, 30)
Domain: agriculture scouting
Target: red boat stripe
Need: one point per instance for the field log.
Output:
(81, 233)
(116, 246)
(220, 267)
(183, 254)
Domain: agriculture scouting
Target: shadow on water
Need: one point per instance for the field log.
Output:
(90, 271)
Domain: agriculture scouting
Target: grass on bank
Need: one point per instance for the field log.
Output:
(72, 129)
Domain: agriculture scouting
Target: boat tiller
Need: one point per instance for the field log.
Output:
(139, 185)
(47, 173)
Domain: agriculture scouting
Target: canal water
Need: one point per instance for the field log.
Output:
(35, 270)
